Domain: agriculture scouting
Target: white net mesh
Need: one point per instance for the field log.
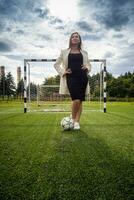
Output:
(43, 89)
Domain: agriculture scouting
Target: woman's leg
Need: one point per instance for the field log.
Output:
(76, 110)
(78, 115)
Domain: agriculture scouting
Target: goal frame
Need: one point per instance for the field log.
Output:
(26, 62)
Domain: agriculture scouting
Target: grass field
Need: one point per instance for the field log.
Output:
(40, 161)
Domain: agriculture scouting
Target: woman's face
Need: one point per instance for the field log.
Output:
(75, 39)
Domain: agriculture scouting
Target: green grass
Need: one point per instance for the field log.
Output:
(40, 161)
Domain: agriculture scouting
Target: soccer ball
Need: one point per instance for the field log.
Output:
(67, 123)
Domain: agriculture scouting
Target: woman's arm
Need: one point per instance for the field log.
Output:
(87, 66)
(58, 63)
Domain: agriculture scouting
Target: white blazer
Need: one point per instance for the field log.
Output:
(63, 59)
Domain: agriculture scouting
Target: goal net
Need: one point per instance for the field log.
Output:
(42, 88)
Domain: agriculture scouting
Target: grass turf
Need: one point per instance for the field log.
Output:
(40, 161)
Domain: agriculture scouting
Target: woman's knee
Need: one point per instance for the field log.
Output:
(76, 102)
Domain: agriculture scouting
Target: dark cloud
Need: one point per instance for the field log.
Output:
(15, 57)
(5, 24)
(12, 10)
(2, 26)
(6, 46)
(115, 19)
(113, 14)
(19, 32)
(16, 17)
(108, 54)
(8, 8)
(60, 27)
(39, 46)
(118, 36)
(55, 20)
(128, 52)
(84, 26)
(91, 37)
(46, 37)
(132, 46)
(22, 11)
(109, 4)
(8, 29)
(42, 13)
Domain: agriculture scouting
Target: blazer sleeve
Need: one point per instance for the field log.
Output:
(88, 65)
(58, 65)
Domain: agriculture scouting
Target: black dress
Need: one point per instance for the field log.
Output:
(77, 80)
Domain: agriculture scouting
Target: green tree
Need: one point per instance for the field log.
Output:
(10, 85)
(2, 86)
(33, 91)
(52, 80)
(20, 89)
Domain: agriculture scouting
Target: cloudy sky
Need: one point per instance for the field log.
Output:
(41, 28)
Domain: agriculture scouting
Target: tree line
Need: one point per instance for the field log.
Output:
(8, 88)
(120, 87)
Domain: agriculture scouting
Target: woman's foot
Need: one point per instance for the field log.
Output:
(76, 126)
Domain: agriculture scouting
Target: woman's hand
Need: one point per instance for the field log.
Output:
(67, 71)
(84, 67)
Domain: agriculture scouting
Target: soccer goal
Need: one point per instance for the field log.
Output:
(41, 87)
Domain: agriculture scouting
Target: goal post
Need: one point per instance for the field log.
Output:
(96, 86)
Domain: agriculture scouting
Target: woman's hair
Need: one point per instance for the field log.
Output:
(80, 43)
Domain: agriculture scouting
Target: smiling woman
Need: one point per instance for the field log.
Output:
(63, 9)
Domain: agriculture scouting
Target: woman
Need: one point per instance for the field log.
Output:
(73, 75)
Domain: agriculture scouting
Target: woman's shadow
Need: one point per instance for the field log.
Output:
(84, 167)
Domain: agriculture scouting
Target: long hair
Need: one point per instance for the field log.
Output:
(80, 43)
